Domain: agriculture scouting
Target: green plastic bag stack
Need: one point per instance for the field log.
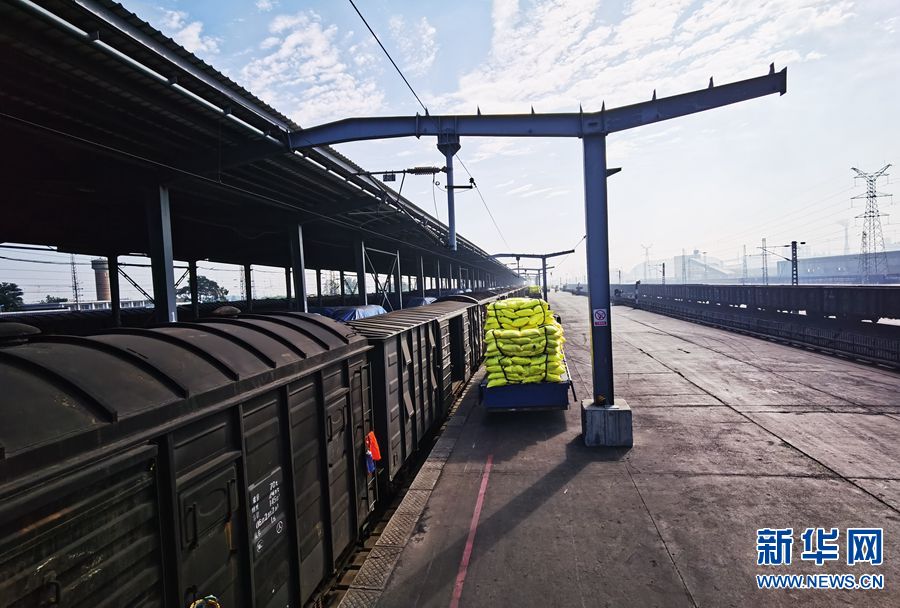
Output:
(523, 342)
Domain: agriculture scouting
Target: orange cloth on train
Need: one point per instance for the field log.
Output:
(372, 446)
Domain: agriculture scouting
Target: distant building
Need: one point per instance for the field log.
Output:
(697, 267)
(838, 269)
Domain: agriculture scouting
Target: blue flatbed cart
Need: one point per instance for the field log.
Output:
(532, 397)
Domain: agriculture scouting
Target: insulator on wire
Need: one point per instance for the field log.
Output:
(425, 170)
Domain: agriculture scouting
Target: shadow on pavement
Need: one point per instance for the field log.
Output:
(506, 447)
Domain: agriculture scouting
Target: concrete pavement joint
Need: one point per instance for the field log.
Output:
(761, 367)
(757, 423)
(661, 539)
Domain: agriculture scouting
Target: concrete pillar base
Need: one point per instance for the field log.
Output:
(606, 425)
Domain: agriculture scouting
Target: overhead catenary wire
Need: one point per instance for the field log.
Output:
(434, 200)
(562, 261)
(483, 202)
(391, 59)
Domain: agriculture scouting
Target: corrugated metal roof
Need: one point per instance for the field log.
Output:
(67, 87)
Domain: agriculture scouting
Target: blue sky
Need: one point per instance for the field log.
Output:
(773, 167)
(776, 167)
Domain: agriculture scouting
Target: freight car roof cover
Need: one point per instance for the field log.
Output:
(391, 324)
(62, 395)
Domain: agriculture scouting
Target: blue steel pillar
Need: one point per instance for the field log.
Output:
(420, 280)
(544, 268)
(298, 264)
(603, 421)
(399, 284)
(115, 300)
(438, 287)
(448, 144)
(361, 289)
(159, 223)
(248, 285)
(597, 245)
(318, 287)
(195, 291)
(287, 287)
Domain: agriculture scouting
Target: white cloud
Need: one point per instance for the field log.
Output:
(416, 42)
(530, 190)
(521, 189)
(305, 74)
(189, 34)
(269, 42)
(492, 148)
(555, 54)
(266, 5)
(365, 54)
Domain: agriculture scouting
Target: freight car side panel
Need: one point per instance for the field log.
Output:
(446, 367)
(459, 349)
(93, 542)
(307, 430)
(433, 359)
(399, 398)
(361, 408)
(410, 391)
(267, 501)
(466, 347)
(336, 390)
(210, 515)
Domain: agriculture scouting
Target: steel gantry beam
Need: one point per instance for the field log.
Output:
(566, 124)
(604, 422)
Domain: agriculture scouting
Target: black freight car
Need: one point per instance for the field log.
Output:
(420, 361)
(154, 467)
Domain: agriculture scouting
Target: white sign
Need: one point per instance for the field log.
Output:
(600, 317)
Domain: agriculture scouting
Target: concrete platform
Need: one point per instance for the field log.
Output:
(731, 434)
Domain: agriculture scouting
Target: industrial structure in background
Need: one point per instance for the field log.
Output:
(872, 257)
(877, 261)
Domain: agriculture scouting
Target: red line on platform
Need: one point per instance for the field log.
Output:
(470, 541)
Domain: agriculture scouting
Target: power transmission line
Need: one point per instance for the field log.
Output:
(560, 263)
(396, 67)
(483, 202)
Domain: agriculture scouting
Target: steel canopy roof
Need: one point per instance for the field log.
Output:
(99, 108)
